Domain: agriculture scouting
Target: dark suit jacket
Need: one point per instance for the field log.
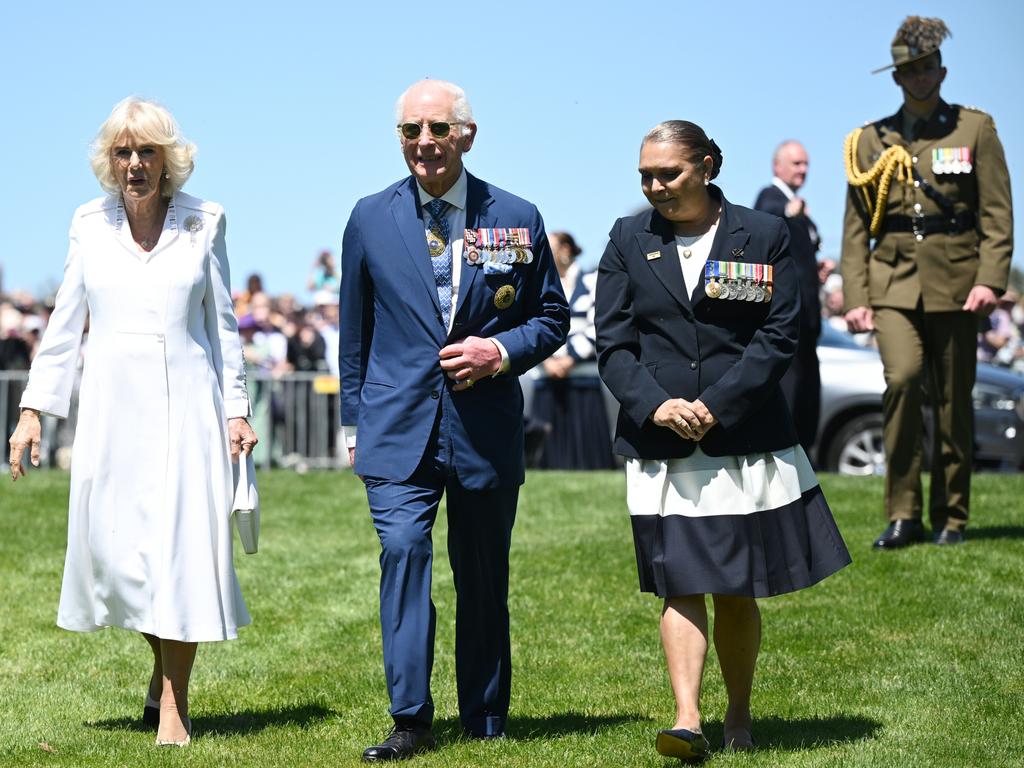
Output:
(656, 343)
(803, 245)
(391, 333)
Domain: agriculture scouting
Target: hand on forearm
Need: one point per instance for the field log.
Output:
(468, 360)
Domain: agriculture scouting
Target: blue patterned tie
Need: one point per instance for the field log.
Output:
(440, 255)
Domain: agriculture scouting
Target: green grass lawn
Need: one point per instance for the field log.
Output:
(912, 658)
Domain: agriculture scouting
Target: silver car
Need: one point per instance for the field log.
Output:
(850, 428)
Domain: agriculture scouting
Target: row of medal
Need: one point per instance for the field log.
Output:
(738, 280)
(498, 245)
(951, 160)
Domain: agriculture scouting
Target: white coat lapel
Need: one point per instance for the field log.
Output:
(123, 232)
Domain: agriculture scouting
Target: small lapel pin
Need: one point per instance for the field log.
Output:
(737, 253)
(653, 255)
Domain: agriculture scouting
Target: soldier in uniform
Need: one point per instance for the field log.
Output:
(927, 242)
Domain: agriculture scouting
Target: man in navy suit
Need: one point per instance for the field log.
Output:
(448, 293)
(802, 383)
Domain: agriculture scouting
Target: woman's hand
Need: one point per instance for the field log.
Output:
(558, 367)
(686, 419)
(27, 434)
(241, 437)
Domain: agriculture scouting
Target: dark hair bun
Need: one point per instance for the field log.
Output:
(691, 136)
(716, 156)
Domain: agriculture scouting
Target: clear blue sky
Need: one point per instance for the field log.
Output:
(291, 103)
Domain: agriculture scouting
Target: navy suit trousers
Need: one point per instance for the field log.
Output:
(479, 536)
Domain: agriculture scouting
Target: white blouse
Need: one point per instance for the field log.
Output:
(693, 255)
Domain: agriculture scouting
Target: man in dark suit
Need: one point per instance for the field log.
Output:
(802, 382)
(448, 293)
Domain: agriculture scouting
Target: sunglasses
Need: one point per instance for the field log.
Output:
(412, 131)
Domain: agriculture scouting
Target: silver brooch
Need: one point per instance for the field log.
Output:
(193, 224)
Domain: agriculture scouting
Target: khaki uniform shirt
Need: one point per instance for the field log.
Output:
(899, 270)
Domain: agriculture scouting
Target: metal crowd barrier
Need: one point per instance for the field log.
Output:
(296, 417)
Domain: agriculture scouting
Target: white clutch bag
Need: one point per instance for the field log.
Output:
(246, 506)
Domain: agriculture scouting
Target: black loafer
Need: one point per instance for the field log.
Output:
(681, 743)
(949, 536)
(151, 713)
(403, 742)
(900, 533)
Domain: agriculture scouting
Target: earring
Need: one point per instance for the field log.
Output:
(167, 176)
(706, 181)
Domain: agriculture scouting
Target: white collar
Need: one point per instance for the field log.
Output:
(786, 189)
(456, 196)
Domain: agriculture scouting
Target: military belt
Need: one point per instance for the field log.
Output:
(934, 224)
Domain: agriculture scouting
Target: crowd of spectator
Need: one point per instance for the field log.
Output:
(282, 334)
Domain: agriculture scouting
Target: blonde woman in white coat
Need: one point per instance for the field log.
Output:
(163, 408)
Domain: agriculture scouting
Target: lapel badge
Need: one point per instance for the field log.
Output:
(504, 297)
(653, 255)
(737, 253)
(193, 224)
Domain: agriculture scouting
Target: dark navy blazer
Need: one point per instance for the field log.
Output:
(391, 333)
(655, 342)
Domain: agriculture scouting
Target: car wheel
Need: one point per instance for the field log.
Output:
(858, 449)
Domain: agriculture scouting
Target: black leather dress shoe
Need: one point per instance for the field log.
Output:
(403, 742)
(690, 746)
(949, 536)
(900, 533)
(484, 736)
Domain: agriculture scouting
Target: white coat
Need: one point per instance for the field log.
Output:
(149, 534)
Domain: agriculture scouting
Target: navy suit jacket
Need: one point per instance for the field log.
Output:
(655, 342)
(391, 333)
(803, 246)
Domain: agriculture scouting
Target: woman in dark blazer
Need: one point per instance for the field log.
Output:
(697, 319)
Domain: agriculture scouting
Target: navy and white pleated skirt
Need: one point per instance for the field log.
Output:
(755, 525)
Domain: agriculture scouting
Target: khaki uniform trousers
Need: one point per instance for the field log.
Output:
(937, 350)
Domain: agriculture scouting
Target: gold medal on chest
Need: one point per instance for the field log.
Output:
(504, 297)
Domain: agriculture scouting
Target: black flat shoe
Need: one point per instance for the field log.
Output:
(900, 533)
(403, 742)
(949, 537)
(686, 745)
(151, 713)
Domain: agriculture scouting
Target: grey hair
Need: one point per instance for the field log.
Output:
(462, 112)
(148, 122)
(689, 135)
(782, 146)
